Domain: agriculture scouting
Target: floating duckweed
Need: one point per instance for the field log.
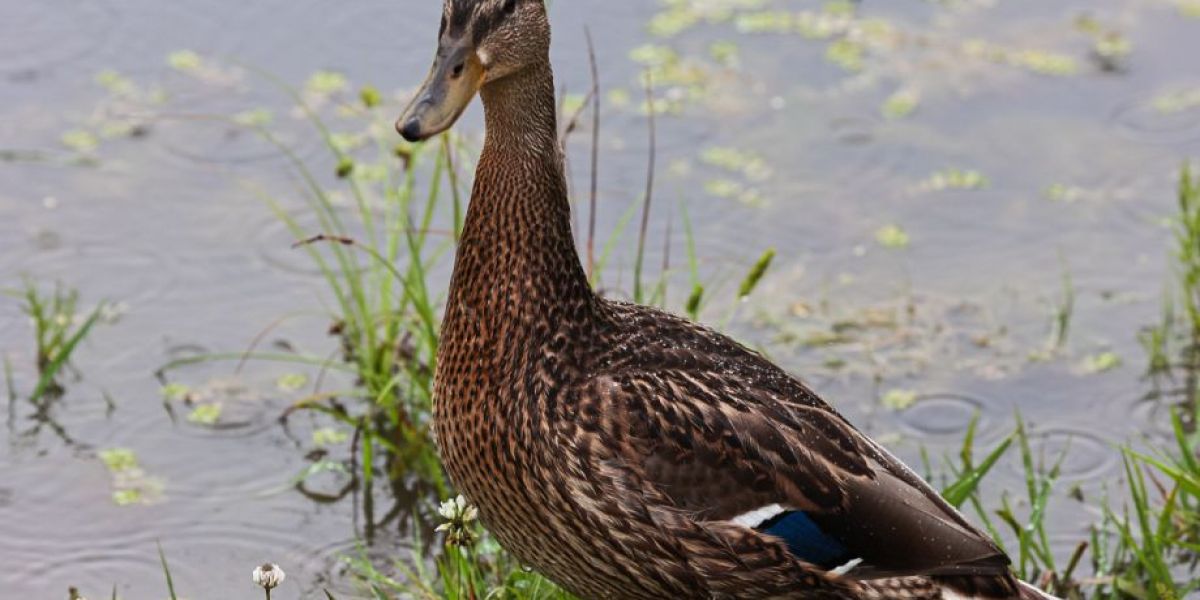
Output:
(1176, 102)
(328, 436)
(901, 103)
(748, 164)
(175, 392)
(1108, 45)
(115, 83)
(673, 22)
(1100, 363)
(185, 61)
(839, 8)
(954, 179)
(80, 140)
(620, 97)
(119, 459)
(765, 22)
(1112, 45)
(820, 26)
(733, 190)
(370, 96)
(571, 103)
(345, 167)
(1061, 192)
(653, 55)
(116, 129)
(892, 236)
(129, 481)
(326, 83)
(898, 399)
(1037, 61)
(205, 414)
(255, 117)
(724, 52)
(291, 382)
(1045, 63)
(682, 15)
(846, 53)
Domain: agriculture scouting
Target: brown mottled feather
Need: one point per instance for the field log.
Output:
(608, 445)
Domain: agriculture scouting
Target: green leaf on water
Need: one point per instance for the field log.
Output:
(325, 83)
(205, 414)
(892, 236)
(846, 54)
(370, 96)
(571, 103)
(328, 436)
(115, 83)
(255, 117)
(291, 382)
(175, 392)
(119, 460)
(901, 104)
(80, 140)
(898, 399)
(185, 61)
(1100, 363)
(724, 52)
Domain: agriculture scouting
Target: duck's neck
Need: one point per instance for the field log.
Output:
(517, 266)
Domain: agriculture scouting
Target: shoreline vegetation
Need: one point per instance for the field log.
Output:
(387, 216)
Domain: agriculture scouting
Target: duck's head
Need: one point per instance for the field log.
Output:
(480, 42)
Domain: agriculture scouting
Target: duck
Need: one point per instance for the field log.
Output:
(625, 452)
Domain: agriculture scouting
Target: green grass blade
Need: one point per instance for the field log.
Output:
(162, 558)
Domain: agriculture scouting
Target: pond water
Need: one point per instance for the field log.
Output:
(928, 172)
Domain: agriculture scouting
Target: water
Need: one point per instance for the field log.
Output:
(166, 226)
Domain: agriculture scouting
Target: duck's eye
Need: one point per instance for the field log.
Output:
(510, 7)
(458, 70)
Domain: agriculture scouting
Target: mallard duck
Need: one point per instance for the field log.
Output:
(625, 452)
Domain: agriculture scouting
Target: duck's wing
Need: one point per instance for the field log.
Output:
(726, 435)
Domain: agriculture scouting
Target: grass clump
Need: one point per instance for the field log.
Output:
(58, 330)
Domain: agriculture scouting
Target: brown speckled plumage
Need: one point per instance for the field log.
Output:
(609, 445)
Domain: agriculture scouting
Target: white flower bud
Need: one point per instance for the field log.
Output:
(269, 576)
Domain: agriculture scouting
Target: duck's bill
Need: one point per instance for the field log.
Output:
(453, 82)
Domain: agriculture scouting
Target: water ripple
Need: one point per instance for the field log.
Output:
(1139, 120)
(947, 416)
(41, 34)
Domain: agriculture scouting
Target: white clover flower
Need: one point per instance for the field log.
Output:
(268, 576)
(458, 514)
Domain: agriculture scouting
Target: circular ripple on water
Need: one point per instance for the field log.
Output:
(1138, 120)
(857, 155)
(36, 35)
(1080, 454)
(945, 416)
(196, 463)
(108, 271)
(212, 139)
(1154, 417)
(218, 548)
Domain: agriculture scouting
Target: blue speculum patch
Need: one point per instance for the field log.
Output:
(806, 541)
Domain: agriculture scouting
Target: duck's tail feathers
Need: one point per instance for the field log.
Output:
(1029, 592)
(989, 588)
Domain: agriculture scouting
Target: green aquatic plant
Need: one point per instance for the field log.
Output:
(58, 329)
